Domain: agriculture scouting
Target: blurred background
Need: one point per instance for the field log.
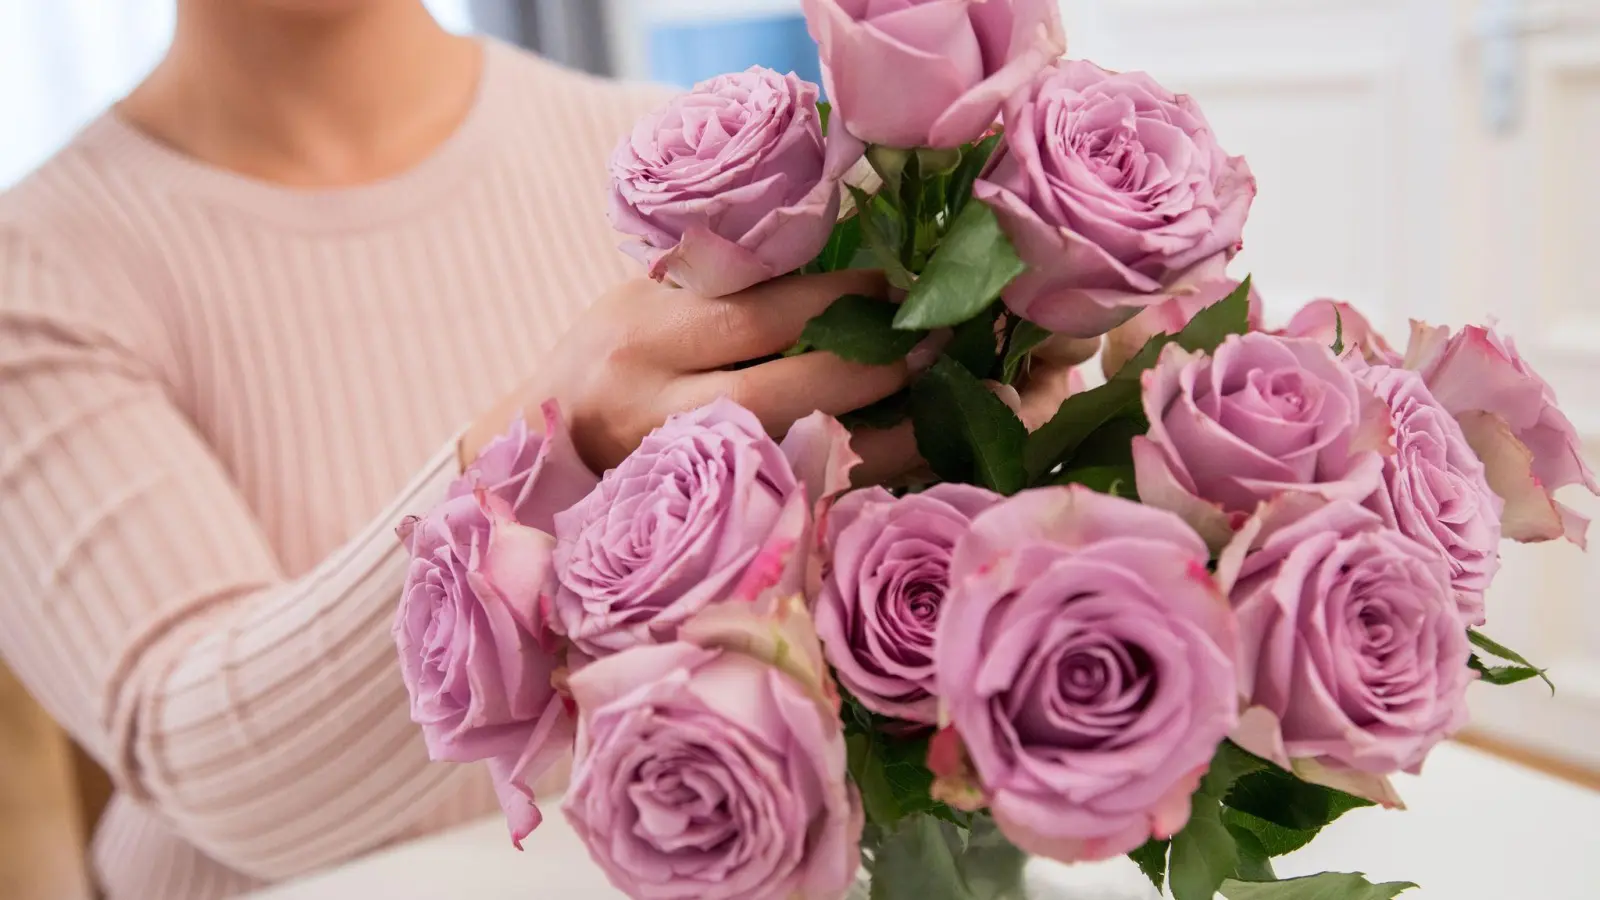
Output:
(1432, 159)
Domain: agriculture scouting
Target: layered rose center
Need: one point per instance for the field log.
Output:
(1378, 606)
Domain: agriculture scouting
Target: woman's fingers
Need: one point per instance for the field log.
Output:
(786, 390)
(698, 334)
(888, 456)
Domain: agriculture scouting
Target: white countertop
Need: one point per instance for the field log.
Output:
(1478, 828)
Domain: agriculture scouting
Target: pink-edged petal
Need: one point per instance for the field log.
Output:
(969, 117)
(709, 265)
(1260, 732)
(1159, 487)
(1376, 788)
(1531, 515)
(779, 633)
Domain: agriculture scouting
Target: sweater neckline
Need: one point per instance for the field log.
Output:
(343, 208)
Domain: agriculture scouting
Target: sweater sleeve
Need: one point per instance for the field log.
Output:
(262, 716)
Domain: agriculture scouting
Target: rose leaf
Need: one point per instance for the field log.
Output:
(1500, 651)
(1255, 863)
(840, 251)
(1024, 339)
(918, 861)
(965, 432)
(883, 415)
(1078, 418)
(1152, 861)
(974, 159)
(1230, 763)
(1327, 886)
(1210, 326)
(991, 866)
(974, 344)
(1203, 853)
(1274, 839)
(1279, 797)
(858, 329)
(877, 797)
(883, 233)
(1502, 675)
(824, 114)
(974, 263)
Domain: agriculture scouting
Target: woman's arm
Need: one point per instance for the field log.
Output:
(263, 716)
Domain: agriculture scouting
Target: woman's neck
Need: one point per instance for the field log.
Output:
(309, 99)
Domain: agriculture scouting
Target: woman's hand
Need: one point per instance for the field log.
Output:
(644, 352)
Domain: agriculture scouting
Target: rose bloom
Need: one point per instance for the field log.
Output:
(708, 508)
(1354, 658)
(1434, 489)
(887, 572)
(1263, 416)
(537, 475)
(1169, 317)
(1510, 417)
(1115, 193)
(929, 73)
(1324, 321)
(730, 184)
(1086, 660)
(713, 768)
(471, 651)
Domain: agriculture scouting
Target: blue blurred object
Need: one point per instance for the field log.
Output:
(686, 52)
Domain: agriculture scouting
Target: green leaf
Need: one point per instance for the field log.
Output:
(1500, 651)
(1203, 853)
(1501, 675)
(824, 114)
(1024, 339)
(866, 769)
(1275, 839)
(883, 415)
(918, 861)
(840, 251)
(1327, 886)
(1152, 860)
(1118, 481)
(964, 431)
(991, 866)
(1112, 443)
(1214, 324)
(1282, 799)
(1082, 414)
(974, 262)
(1255, 863)
(974, 344)
(1229, 764)
(973, 160)
(1338, 333)
(882, 232)
(859, 329)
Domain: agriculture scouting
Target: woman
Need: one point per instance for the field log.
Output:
(241, 316)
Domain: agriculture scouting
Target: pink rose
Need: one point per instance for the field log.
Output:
(887, 571)
(929, 73)
(1169, 317)
(730, 184)
(707, 509)
(713, 768)
(1354, 658)
(1510, 418)
(1434, 489)
(471, 650)
(1322, 321)
(536, 476)
(1265, 415)
(1116, 195)
(1086, 660)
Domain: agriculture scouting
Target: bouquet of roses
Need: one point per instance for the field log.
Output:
(1198, 614)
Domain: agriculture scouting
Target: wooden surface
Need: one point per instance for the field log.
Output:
(40, 837)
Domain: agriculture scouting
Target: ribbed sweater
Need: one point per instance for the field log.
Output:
(217, 399)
